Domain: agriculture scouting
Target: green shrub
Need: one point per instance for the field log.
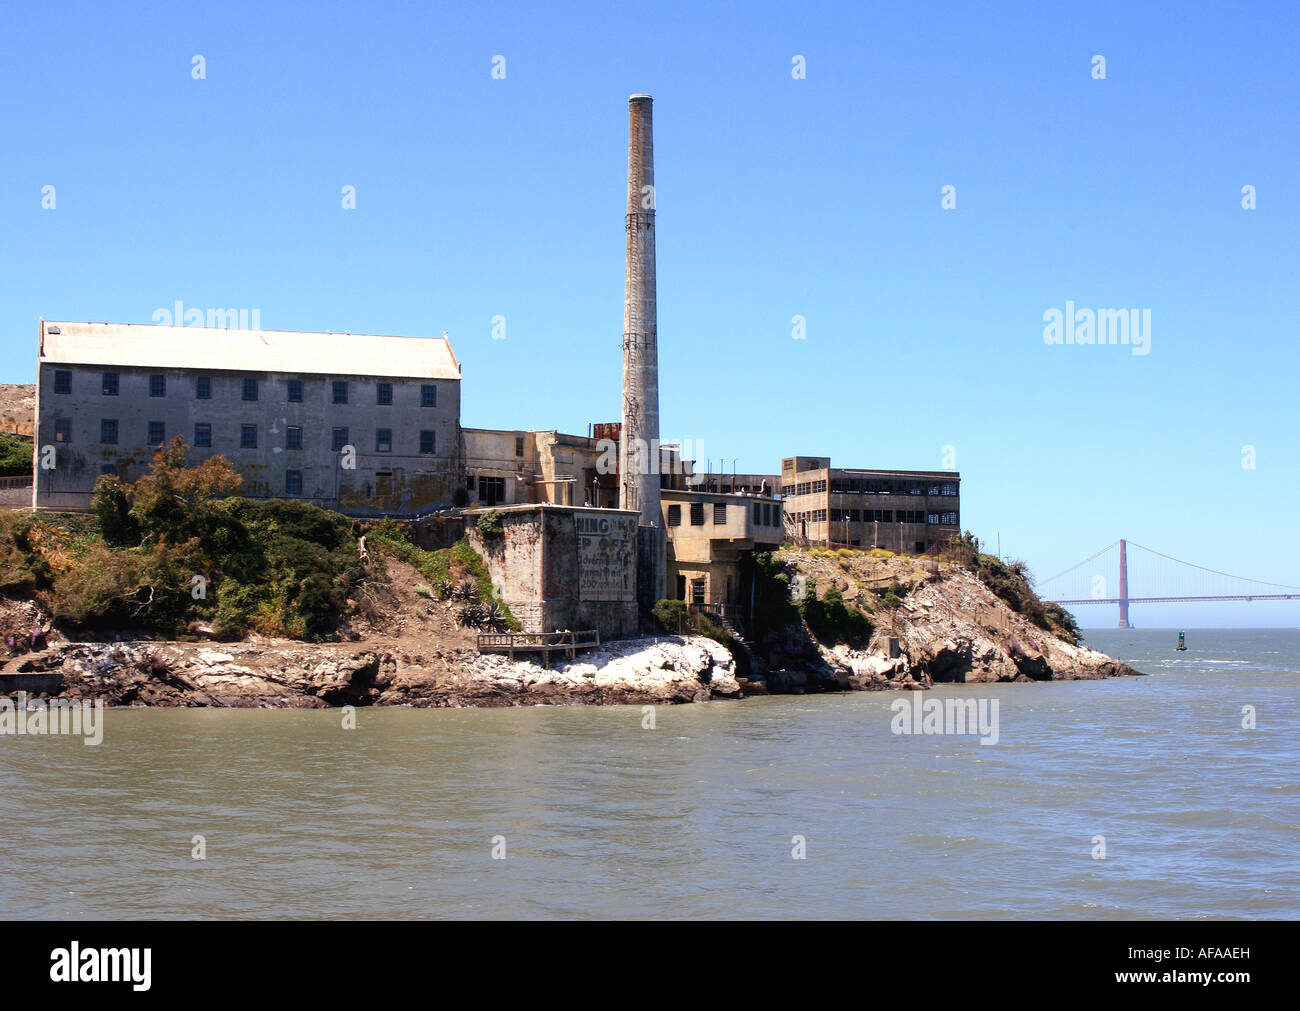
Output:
(670, 615)
(279, 567)
(1061, 621)
(112, 509)
(23, 567)
(832, 621)
(146, 588)
(445, 569)
(15, 454)
(490, 526)
(773, 608)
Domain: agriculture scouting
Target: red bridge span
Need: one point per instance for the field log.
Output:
(1088, 581)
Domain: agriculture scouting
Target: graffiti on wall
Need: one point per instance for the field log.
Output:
(606, 556)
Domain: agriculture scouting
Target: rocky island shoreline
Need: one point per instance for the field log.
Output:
(948, 627)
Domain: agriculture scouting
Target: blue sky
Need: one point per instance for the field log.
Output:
(776, 197)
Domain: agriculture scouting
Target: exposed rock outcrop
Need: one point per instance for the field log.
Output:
(273, 674)
(954, 629)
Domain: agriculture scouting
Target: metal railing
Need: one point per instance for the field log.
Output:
(718, 610)
(545, 643)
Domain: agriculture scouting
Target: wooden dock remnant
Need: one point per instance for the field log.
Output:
(545, 643)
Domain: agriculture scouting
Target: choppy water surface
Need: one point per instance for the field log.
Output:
(602, 818)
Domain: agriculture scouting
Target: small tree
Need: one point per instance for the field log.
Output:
(171, 501)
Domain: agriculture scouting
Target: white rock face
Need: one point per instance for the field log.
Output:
(677, 667)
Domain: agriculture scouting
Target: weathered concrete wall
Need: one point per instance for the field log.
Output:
(564, 568)
(399, 481)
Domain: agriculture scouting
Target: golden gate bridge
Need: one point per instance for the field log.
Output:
(1088, 581)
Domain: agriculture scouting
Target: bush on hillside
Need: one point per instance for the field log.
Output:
(773, 608)
(671, 615)
(279, 567)
(15, 454)
(445, 569)
(832, 620)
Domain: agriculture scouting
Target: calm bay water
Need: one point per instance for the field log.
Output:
(695, 818)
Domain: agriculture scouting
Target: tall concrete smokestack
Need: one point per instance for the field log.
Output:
(639, 442)
(639, 439)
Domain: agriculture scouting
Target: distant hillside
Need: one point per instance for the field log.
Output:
(17, 406)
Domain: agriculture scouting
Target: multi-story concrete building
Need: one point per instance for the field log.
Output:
(366, 425)
(710, 539)
(512, 467)
(901, 510)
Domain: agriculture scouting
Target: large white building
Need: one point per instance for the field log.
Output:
(363, 424)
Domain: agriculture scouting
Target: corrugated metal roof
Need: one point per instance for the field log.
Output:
(193, 347)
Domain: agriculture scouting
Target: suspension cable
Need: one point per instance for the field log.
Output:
(1226, 575)
(1084, 562)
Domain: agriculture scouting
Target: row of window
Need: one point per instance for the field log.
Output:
(339, 388)
(875, 486)
(292, 480)
(890, 516)
(248, 436)
(881, 486)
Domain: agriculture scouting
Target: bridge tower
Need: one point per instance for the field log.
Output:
(1123, 585)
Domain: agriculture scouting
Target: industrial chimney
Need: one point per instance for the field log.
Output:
(639, 439)
(638, 469)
